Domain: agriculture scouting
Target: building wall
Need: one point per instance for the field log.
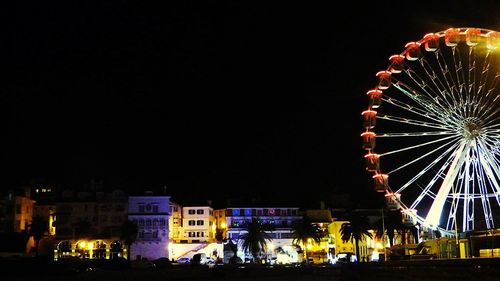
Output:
(233, 220)
(48, 213)
(198, 224)
(151, 213)
(175, 222)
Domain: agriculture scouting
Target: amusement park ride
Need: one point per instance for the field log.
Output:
(433, 126)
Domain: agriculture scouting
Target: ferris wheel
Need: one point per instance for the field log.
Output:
(432, 127)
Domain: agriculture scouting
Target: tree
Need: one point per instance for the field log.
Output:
(355, 229)
(255, 238)
(303, 232)
(393, 223)
(128, 234)
(37, 229)
(234, 248)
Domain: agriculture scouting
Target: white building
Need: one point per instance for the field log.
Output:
(233, 221)
(198, 224)
(151, 213)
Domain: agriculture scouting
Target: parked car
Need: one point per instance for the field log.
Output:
(142, 264)
(199, 259)
(183, 260)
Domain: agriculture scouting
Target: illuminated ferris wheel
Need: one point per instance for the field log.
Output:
(432, 127)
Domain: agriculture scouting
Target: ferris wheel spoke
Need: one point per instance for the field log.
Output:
(436, 81)
(415, 134)
(453, 89)
(417, 146)
(408, 107)
(434, 214)
(420, 99)
(484, 199)
(411, 121)
(428, 167)
(425, 87)
(419, 158)
(455, 195)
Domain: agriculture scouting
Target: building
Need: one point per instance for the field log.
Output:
(151, 213)
(198, 224)
(175, 222)
(17, 211)
(232, 222)
(193, 232)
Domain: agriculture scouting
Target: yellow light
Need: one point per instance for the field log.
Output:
(90, 246)
(82, 244)
(213, 227)
(309, 240)
(270, 246)
(223, 225)
(309, 246)
(378, 245)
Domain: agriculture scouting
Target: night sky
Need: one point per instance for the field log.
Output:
(215, 100)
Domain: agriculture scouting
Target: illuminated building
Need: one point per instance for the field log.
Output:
(151, 213)
(17, 211)
(232, 221)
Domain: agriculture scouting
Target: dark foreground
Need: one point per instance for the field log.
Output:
(439, 270)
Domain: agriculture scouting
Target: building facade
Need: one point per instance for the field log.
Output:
(232, 222)
(151, 214)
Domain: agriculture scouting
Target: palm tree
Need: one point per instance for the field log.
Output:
(37, 229)
(393, 223)
(303, 232)
(255, 238)
(355, 229)
(128, 234)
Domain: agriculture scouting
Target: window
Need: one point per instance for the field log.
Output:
(259, 213)
(266, 212)
(242, 212)
(200, 212)
(191, 212)
(236, 212)
(141, 208)
(155, 208)
(254, 212)
(277, 212)
(176, 209)
(248, 212)
(191, 222)
(148, 222)
(162, 222)
(199, 222)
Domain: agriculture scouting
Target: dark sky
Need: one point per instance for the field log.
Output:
(216, 99)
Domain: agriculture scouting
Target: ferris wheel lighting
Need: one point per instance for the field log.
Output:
(431, 42)
(442, 119)
(452, 37)
(472, 36)
(369, 140)
(492, 40)
(412, 51)
(374, 98)
(384, 79)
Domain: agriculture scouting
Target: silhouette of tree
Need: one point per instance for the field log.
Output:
(355, 229)
(128, 234)
(255, 238)
(37, 229)
(304, 231)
